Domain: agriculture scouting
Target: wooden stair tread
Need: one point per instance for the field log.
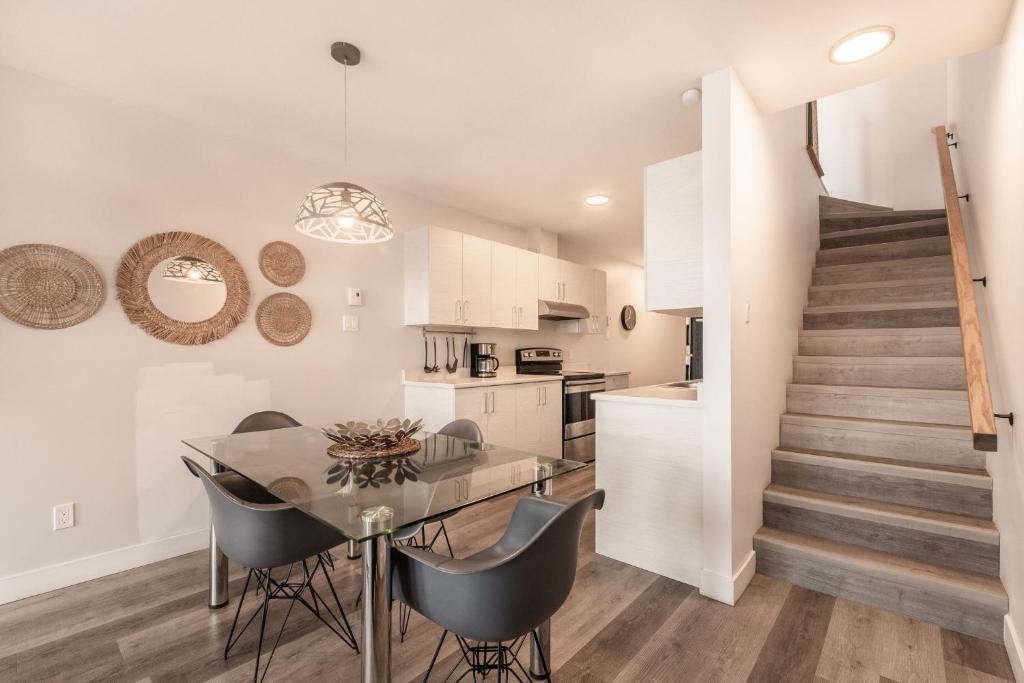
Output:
(880, 360)
(884, 284)
(919, 429)
(875, 229)
(941, 259)
(949, 474)
(891, 306)
(987, 590)
(930, 521)
(883, 332)
(895, 392)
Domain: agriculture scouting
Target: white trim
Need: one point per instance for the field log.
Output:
(728, 589)
(63, 574)
(1014, 647)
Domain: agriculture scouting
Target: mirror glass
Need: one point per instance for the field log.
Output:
(187, 289)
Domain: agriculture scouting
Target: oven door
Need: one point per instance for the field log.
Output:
(579, 409)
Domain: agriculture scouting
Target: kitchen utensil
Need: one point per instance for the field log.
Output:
(426, 357)
(453, 360)
(436, 368)
(465, 352)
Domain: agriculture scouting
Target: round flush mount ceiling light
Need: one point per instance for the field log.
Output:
(596, 200)
(862, 44)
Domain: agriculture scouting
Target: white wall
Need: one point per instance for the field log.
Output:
(875, 141)
(761, 235)
(93, 413)
(986, 110)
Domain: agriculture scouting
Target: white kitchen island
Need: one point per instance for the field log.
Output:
(649, 462)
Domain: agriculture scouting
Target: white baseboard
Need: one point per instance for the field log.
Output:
(1014, 647)
(63, 574)
(728, 589)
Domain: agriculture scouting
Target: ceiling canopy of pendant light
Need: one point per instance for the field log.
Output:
(344, 212)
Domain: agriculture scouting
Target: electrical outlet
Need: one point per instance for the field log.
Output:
(63, 516)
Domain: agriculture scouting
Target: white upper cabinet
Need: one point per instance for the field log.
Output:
(673, 225)
(550, 281)
(599, 311)
(433, 277)
(476, 281)
(527, 283)
(504, 302)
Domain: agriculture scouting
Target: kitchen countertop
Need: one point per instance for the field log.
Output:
(683, 397)
(443, 380)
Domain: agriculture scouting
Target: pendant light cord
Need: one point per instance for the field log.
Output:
(346, 115)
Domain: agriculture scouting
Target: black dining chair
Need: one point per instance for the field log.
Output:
(416, 535)
(265, 536)
(500, 596)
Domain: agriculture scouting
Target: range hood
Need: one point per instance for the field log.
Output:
(559, 310)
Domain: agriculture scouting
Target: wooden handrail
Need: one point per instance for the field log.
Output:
(979, 395)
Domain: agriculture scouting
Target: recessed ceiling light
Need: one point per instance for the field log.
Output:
(596, 200)
(862, 44)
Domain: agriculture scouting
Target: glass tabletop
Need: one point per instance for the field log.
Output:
(446, 474)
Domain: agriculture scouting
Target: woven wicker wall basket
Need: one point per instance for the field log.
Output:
(48, 287)
(283, 319)
(282, 263)
(133, 292)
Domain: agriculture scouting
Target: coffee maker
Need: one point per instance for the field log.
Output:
(483, 360)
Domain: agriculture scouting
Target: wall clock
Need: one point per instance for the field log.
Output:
(628, 317)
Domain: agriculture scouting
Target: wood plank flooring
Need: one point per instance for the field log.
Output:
(620, 624)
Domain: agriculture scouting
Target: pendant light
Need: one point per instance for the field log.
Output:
(192, 270)
(344, 212)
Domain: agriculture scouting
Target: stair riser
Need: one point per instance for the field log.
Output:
(881, 272)
(918, 601)
(937, 451)
(836, 240)
(835, 223)
(902, 409)
(922, 493)
(879, 295)
(933, 246)
(860, 320)
(915, 544)
(910, 376)
(879, 345)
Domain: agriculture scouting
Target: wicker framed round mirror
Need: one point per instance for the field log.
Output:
(180, 255)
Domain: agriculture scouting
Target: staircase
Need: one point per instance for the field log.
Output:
(877, 493)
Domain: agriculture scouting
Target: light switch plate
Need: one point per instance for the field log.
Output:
(350, 323)
(355, 296)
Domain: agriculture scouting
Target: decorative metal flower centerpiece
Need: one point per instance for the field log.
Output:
(375, 473)
(384, 439)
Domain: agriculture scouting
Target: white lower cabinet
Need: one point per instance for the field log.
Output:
(526, 416)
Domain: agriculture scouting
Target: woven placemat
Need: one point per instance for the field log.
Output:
(282, 263)
(283, 319)
(405, 447)
(48, 287)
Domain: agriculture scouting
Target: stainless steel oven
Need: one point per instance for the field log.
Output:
(579, 412)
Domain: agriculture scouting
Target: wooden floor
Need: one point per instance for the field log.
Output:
(620, 624)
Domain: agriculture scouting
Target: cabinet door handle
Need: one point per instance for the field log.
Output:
(520, 316)
(544, 392)
(515, 317)
(465, 311)
(538, 397)
(458, 310)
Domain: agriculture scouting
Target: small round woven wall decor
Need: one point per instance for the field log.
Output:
(283, 319)
(48, 287)
(282, 263)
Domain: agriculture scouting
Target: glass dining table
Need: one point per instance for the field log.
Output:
(369, 500)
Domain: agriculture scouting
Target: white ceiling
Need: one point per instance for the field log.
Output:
(512, 110)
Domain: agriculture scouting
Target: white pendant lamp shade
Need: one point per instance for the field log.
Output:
(343, 212)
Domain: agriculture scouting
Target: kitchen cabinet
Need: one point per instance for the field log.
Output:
(597, 323)
(513, 287)
(476, 281)
(564, 281)
(550, 278)
(616, 382)
(526, 416)
(673, 235)
(527, 283)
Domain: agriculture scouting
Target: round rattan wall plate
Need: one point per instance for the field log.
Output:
(283, 319)
(133, 292)
(282, 263)
(48, 287)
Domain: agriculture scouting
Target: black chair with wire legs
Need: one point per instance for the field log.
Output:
(493, 602)
(415, 535)
(264, 536)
